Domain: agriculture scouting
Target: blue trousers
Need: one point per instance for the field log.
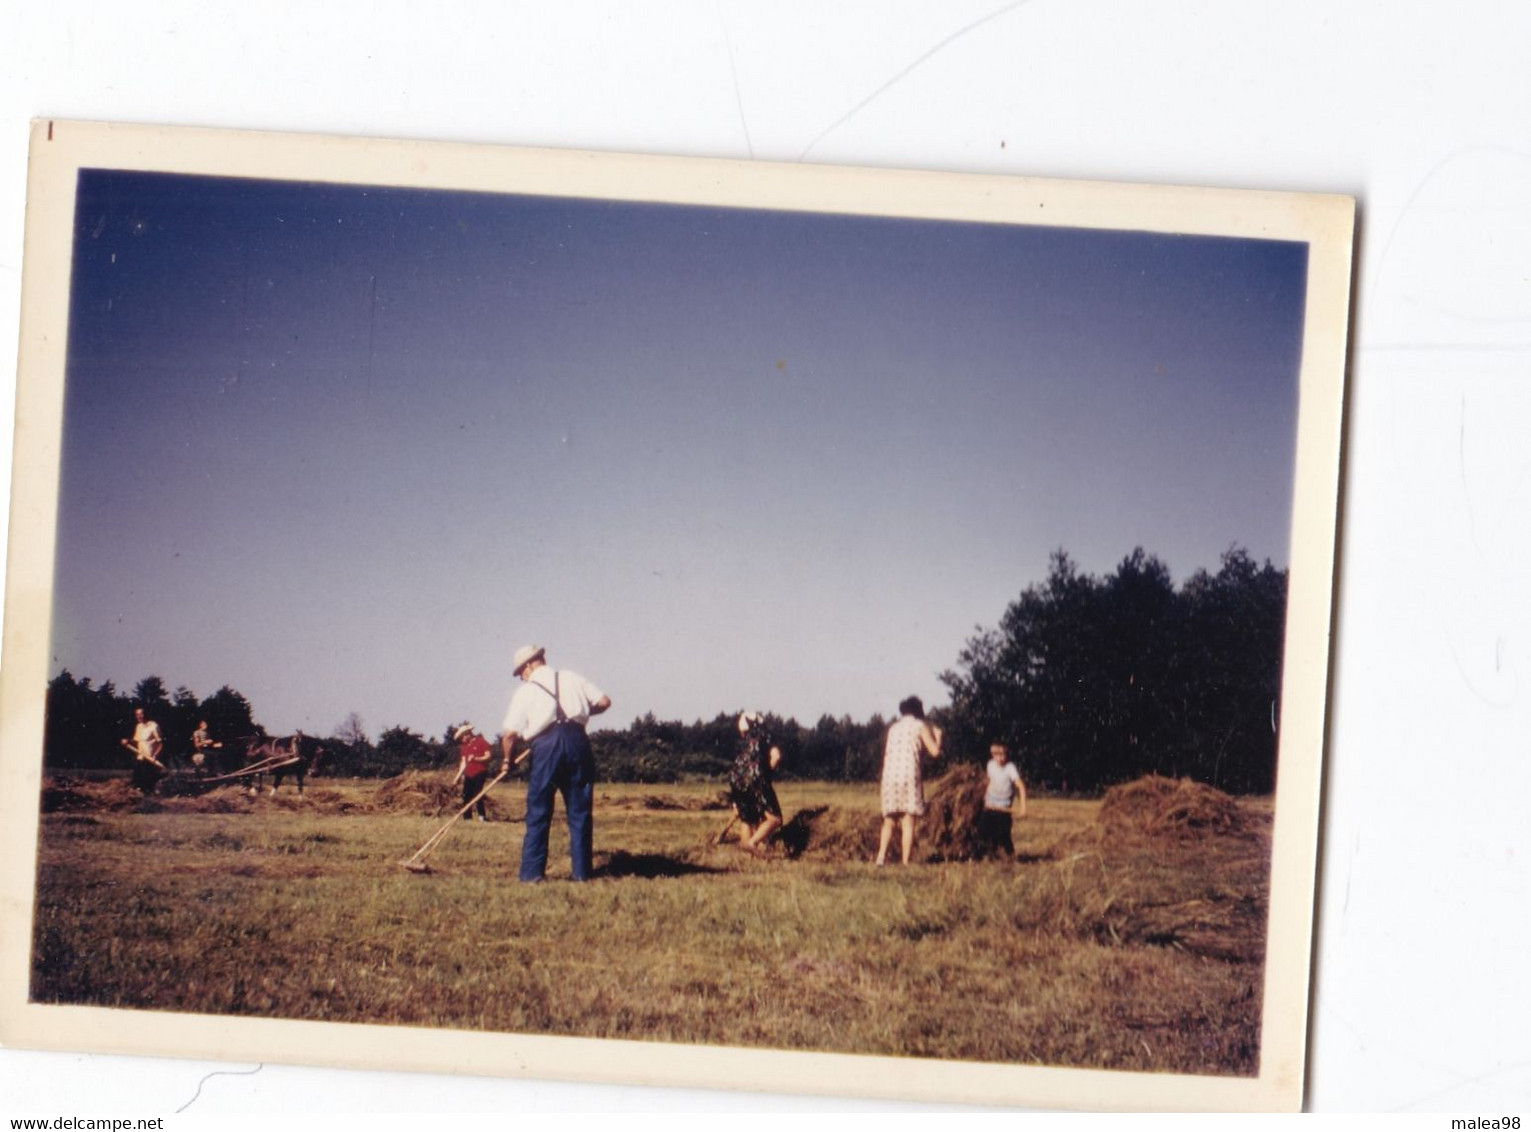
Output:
(561, 760)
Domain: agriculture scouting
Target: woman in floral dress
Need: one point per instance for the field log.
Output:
(749, 782)
(903, 786)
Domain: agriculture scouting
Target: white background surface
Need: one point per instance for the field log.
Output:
(1423, 112)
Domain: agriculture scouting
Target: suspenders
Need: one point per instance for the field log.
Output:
(558, 713)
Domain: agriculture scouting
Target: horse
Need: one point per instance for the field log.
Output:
(296, 755)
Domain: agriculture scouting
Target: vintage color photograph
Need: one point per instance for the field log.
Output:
(568, 615)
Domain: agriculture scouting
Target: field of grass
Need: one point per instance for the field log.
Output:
(1087, 952)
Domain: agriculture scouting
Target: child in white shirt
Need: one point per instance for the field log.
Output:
(1004, 785)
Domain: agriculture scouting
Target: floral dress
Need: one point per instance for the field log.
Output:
(903, 789)
(749, 779)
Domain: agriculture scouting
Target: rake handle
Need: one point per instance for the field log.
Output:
(436, 837)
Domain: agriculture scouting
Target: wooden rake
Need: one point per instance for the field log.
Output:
(416, 864)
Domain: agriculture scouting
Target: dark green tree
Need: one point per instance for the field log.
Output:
(400, 749)
(229, 716)
(150, 694)
(351, 752)
(83, 725)
(180, 721)
(1091, 681)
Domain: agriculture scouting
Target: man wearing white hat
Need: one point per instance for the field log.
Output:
(550, 710)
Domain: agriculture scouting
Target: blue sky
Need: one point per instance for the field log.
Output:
(346, 448)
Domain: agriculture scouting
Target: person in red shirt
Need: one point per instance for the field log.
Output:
(473, 755)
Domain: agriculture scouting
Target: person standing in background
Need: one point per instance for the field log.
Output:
(473, 755)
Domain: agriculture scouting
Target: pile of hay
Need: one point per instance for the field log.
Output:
(953, 802)
(828, 833)
(64, 795)
(418, 792)
(1158, 807)
(431, 793)
(947, 832)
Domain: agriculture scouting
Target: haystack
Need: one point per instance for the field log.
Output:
(1155, 806)
(432, 793)
(953, 803)
(418, 792)
(947, 832)
(828, 833)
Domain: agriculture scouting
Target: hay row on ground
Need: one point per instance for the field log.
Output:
(1118, 901)
(413, 792)
(1152, 807)
(67, 795)
(1228, 928)
(667, 802)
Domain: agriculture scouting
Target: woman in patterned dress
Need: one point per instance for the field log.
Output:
(749, 782)
(903, 788)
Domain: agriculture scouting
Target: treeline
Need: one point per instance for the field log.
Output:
(647, 750)
(1094, 681)
(1090, 682)
(85, 724)
(351, 754)
(654, 750)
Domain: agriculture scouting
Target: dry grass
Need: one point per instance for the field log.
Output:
(1092, 951)
(691, 803)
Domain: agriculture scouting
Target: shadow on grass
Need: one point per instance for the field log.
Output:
(797, 833)
(649, 866)
(994, 856)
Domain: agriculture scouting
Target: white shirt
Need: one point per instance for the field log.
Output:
(1002, 782)
(146, 738)
(531, 708)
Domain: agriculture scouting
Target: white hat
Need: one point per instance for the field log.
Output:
(462, 732)
(524, 656)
